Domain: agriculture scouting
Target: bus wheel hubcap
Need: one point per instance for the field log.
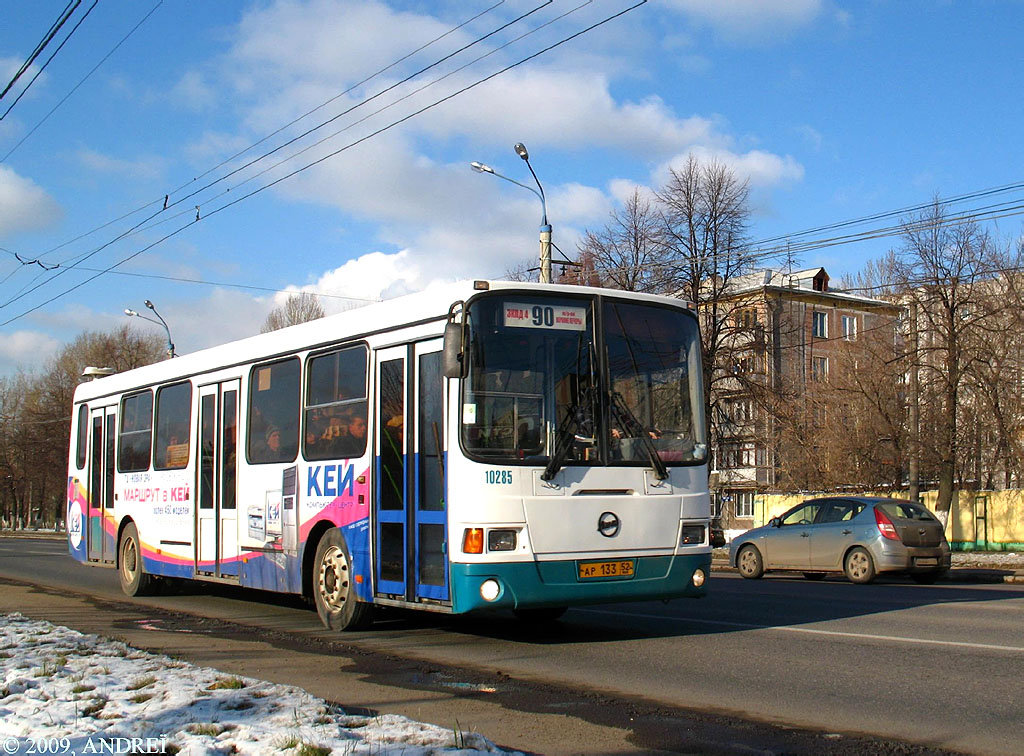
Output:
(129, 559)
(334, 583)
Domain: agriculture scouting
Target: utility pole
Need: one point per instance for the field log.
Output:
(914, 465)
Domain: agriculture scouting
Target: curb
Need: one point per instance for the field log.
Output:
(955, 575)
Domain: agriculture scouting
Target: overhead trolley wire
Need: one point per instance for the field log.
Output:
(80, 83)
(43, 67)
(322, 159)
(141, 226)
(165, 199)
(41, 45)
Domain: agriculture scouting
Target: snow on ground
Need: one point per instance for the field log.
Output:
(67, 693)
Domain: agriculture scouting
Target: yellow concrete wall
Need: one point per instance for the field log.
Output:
(991, 520)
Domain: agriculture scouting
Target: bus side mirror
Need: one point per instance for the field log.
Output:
(453, 351)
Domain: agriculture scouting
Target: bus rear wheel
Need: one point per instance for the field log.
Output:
(134, 580)
(333, 589)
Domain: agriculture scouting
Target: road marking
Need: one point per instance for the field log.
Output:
(813, 631)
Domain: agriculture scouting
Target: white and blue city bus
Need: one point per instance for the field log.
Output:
(484, 445)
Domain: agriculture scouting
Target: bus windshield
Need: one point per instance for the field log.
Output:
(550, 383)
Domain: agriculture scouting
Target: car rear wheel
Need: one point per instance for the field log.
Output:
(815, 575)
(749, 562)
(859, 566)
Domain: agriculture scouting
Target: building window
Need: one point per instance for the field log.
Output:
(849, 328)
(744, 503)
(716, 505)
(746, 318)
(820, 325)
(819, 368)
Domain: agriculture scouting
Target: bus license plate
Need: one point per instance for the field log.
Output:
(620, 568)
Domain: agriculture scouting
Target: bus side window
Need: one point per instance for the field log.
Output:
(83, 436)
(173, 426)
(335, 409)
(136, 432)
(273, 427)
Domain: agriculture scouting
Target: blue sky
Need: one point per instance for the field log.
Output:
(831, 111)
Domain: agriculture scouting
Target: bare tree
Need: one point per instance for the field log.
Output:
(298, 308)
(630, 252)
(35, 418)
(945, 271)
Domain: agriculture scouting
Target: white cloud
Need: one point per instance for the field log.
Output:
(436, 221)
(24, 206)
(751, 19)
(194, 91)
(144, 168)
(760, 168)
(25, 350)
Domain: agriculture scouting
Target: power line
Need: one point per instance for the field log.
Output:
(322, 159)
(43, 67)
(166, 198)
(41, 45)
(80, 83)
(892, 213)
(31, 287)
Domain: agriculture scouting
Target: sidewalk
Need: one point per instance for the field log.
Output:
(968, 566)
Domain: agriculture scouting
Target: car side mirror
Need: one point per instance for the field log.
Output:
(775, 522)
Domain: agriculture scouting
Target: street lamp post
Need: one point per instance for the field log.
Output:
(545, 227)
(161, 322)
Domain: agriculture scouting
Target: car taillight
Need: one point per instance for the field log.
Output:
(885, 526)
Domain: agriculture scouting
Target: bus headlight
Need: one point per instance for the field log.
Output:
(501, 540)
(698, 578)
(490, 589)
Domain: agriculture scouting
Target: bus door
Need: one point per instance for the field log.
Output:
(410, 528)
(101, 544)
(217, 471)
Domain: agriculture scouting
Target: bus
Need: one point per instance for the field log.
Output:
(485, 445)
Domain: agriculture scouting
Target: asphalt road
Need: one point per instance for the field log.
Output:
(940, 668)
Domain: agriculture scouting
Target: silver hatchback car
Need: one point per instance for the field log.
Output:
(860, 536)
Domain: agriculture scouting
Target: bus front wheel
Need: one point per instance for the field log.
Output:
(134, 580)
(333, 589)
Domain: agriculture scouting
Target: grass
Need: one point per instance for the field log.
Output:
(211, 729)
(227, 683)
(139, 698)
(142, 682)
(83, 688)
(302, 748)
(93, 707)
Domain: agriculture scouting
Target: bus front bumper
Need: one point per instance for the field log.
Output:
(526, 585)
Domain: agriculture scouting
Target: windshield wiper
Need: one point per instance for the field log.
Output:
(619, 406)
(563, 442)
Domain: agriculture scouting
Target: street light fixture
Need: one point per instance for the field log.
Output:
(161, 322)
(545, 227)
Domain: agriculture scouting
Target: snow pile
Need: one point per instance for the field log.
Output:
(63, 692)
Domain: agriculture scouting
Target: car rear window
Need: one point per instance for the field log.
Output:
(906, 510)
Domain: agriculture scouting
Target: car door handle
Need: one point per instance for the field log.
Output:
(847, 532)
(805, 535)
